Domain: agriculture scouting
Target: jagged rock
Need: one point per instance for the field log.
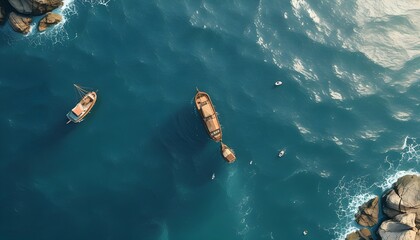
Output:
(368, 213)
(48, 20)
(363, 234)
(407, 219)
(19, 23)
(402, 227)
(35, 7)
(404, 197)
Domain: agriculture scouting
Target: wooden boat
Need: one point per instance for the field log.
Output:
(87, 101)
(227, 153)
(209, 115)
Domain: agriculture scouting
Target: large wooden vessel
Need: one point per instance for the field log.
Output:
(209, 115)
(228, 153)
(87, 101)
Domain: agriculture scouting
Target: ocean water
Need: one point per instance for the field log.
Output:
(140, 166)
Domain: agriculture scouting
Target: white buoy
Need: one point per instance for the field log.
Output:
(305, 232)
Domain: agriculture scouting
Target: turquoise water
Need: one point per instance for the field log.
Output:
(140, 166)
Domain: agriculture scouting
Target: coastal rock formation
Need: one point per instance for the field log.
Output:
(404, 198)
(367, 215)
(35, 7)
(19, 23)
(402, 227)
(20, 13)
(363, 234)
(48, 20)
(402, 207)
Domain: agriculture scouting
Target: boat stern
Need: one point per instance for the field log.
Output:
(72, 117)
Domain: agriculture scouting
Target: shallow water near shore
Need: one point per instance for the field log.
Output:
(141, 164)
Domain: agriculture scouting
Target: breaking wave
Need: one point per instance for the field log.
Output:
(57, 34)
(351, 193)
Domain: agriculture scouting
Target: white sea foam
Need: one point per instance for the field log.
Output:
(58, 33)
(349, 196)
(337, 140)
(402, 116)
(302, 129)
(391, 179)
(351, 193)
(411, 150)
(306, 71)
(336, 95)
(371, 134)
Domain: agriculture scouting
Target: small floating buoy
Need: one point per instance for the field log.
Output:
(278, 83)
(305, 232)
(213, 176)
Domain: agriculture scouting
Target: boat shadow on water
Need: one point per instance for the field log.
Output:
(188, 148)
(19, 174)
(32, 153)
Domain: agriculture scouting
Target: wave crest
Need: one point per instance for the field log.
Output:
(57, 34)
(351, 193)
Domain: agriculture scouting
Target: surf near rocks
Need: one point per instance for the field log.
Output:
(401, 208)
(20, 13)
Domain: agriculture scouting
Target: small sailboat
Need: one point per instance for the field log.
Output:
(278, 83)
(83, 107)
(227, 152)
(281, 153)
(209, 115)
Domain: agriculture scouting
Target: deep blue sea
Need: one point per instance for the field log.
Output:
(140, 166)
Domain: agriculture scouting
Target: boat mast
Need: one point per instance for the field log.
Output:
(82, 92)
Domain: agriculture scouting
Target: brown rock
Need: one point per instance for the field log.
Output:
(48, 20)
(368, 213)
(404, 197)
(19, 23)
(353, 236)
(363, 234)
(35, 7)
(402, 228)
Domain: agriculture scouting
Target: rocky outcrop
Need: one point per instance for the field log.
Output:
(20, 13)
(401, 227)
(49, 20)
(20, 23)
(404, 198)
(402, 207)
(35, 7)
(363, 234)
(367, 215)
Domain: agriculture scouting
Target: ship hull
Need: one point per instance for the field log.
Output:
(208, 114)
(82, 109)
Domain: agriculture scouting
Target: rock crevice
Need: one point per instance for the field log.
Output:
(401, 206)
(20, 12)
